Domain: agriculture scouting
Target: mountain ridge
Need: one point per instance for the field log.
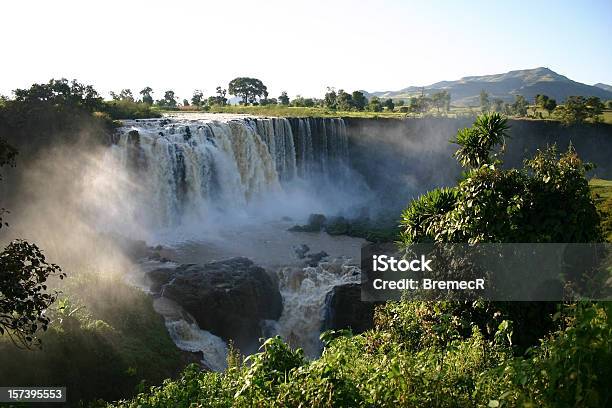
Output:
(526, 82)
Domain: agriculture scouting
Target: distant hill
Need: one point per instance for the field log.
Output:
(527, 82)
(604, 86)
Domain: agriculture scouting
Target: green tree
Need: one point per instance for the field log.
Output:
(126, 95)
(283, 99)
(331, 99)
(221, 98)
(344, 101)
(198, 98)
(485, 104)
(441, 100)
(477, 142)
(359, 100)
(546, 103)
(419, 104)
(146, 95)
(498, 105)
(389, 105)
(595, 107)
(24, 297)
(59, 94)
(520, 105)
(169, 100)
(374, 105)
(249, 89)
(492, 204)
(573, 111)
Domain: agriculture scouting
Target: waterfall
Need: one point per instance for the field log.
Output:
(304, 291)
(190, 166)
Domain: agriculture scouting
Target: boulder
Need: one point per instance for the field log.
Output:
(345, 310)
(314, 259)
(229, 298)
(337, 226)
(301, 251)
(316, 223)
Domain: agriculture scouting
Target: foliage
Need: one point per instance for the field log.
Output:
(23, 282)
(198, 98)
(418, 355)
(491, 204)
(220, 99)
(7, 158)
(374, 105)
(283, 99)
(359, 100)
(477, 142)
(146, 95)
(249, 89)
(330, 99)
(104, 340)
(520, 105)
(389, 104)
(128, 109)
(546, 103)
(421, 218)
(485, 104)
(441, 101)
(61, 94)
(446, 354)
(344, 101)
(577, 109)
(23, 292)
(602, 196)
(168, 101)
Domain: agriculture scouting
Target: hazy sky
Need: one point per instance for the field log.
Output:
(298, 46)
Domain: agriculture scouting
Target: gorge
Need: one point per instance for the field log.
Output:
(213, 188)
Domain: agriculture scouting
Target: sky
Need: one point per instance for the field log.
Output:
(300, 47)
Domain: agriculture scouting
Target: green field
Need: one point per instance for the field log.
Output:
(297, 112)
(300, 112)
(602, 191)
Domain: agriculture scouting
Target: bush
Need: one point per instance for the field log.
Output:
(126, 109)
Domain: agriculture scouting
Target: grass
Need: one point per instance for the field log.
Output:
(319, 112)
(104, 342)
(602, 192)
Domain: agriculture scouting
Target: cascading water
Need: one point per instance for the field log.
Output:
(304, 291)
(203, 167)
(190, 166)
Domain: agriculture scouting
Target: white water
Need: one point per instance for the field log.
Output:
(304, 291)
(212, 187)
(198, 169)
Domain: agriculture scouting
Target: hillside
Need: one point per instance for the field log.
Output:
(604, 86)
(528, 82)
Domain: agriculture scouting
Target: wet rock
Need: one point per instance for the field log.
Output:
(301, 251)
(159, 277)
(230, 298)
(316, 223)
(337, 226)
(345, 310)
(314, 259)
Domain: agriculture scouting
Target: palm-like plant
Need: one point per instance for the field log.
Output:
(477, 142)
